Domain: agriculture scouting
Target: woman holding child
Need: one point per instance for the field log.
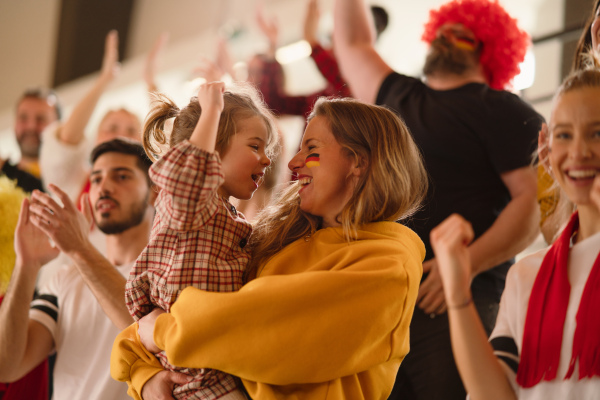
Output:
(331, 285)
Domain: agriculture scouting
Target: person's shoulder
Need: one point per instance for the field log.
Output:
(524, 271)
(396, 78)
(395, 86)
(394, 235)
(510, 100)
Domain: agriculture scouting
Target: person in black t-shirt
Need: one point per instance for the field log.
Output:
(476, 140)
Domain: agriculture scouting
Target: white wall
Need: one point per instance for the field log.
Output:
(28, 29)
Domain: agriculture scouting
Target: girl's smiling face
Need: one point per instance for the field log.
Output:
(244, 161)
(574, 143)
(327, 173)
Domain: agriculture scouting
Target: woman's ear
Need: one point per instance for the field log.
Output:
(544, 148)
(361, 166)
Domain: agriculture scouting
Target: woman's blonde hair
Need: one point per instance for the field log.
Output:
(588, 77)
(391, 188)
(560, 206)
(241, 101)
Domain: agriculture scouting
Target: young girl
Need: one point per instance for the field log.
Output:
(336, 279)
(220, 147)
(546, 343)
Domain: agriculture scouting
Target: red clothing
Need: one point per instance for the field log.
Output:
(33, 386)
(271, 85)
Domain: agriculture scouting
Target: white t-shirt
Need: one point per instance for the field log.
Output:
(507, 337)
(83, 337)
(68, 167)
(64, 165)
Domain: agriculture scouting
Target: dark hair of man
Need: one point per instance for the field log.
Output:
(380, 18)
(124, 146)
(45, 94)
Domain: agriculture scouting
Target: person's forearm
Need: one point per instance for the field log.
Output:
(352, 24)
(514, 229)
(130, 362)
(14, 321)
(204, 135)
(231, 337)
(105, 282)
(475, 358)
(72, 132)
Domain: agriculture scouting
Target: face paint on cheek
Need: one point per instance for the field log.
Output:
(312, 160)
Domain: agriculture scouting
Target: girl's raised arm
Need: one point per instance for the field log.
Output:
(479, 368)
(210, 97)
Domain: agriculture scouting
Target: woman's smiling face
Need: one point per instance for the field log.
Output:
(574, 143)
(326, 172)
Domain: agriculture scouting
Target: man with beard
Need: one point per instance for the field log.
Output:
(79, 312)
(476, 140)
(36, 109)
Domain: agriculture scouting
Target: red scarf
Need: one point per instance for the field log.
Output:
(546, 313)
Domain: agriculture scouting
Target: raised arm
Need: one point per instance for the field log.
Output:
(311, 22)
(353, 38)
(152, 60)
(324, 59)
(479, 368)
(68, 229)
(210, 97)
(24, 343)
(72, 132)
(270, 28)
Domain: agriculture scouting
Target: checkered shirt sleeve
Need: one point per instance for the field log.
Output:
(197, 238)
(188, 179)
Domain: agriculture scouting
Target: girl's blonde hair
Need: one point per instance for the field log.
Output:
(241, 101)
(391, 188)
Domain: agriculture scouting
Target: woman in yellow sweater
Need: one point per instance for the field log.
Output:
(332, 284)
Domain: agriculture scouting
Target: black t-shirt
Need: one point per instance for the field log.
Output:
(468, 137)
(24, 179)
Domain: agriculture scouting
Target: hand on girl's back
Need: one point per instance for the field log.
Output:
(210, 96)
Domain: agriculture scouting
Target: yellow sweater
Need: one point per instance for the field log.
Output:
(325, 319)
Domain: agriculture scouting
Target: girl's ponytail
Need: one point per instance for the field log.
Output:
(162, 109)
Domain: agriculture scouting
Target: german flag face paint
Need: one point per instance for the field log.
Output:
(312, 160)
(460, 36)
(465, 43)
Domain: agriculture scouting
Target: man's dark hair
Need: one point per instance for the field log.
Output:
(124, 146)
(45, 94)
(380, 18)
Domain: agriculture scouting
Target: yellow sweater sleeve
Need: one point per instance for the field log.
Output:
(130, 361)
(316, 314)
(303, 328)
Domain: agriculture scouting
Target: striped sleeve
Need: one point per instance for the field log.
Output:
(44, 309)
(506, 350)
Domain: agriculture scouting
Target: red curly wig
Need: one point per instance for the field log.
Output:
(503, 43)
